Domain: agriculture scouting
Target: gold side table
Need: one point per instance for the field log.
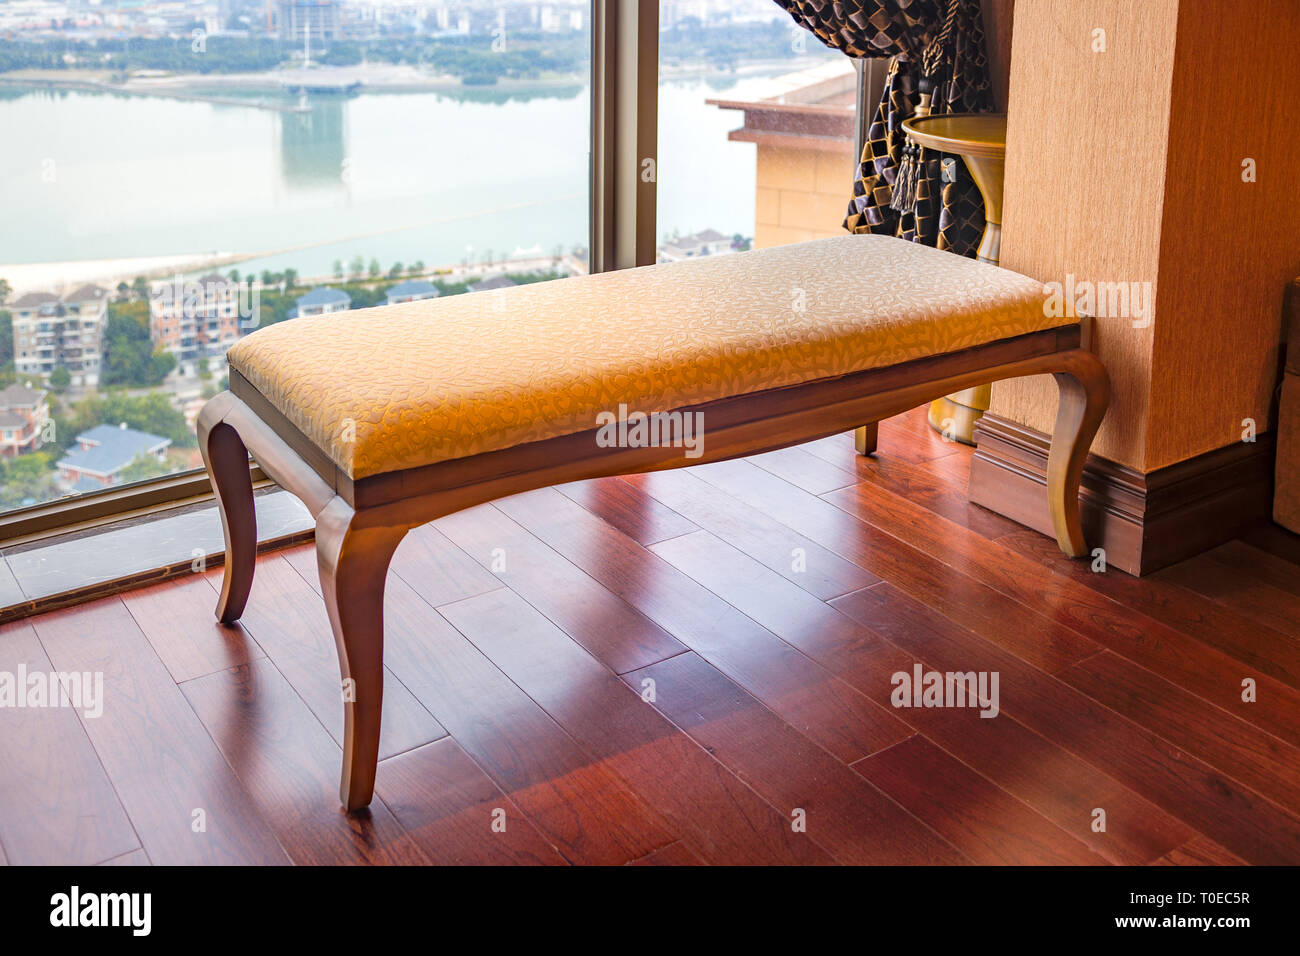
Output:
(981, 140)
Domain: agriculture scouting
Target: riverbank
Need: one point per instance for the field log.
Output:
(367, 77)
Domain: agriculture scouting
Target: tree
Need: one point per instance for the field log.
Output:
(140, 286)
(357, 266)
(5, 289)
(59, 380)
(416, 267)
(26, 478)
(290, 277)
(6, 337)
(375, 270)
(396, 270)
(152, 413)
(338, 268)
(233, 275)
(129, 355)
(144, 466)
(123, 290)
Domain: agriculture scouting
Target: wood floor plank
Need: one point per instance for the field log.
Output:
(456, 814)
(702, 802)
(165, 768)
(582, 809)
(797, 689)
(1059, 785)
(675, 854)
(922, 485)
(795, 616)
(643, 520)
(134, 858)
(845, 650)
(932, 580)
(986, 823)
(1200, 851)
(814, 475)
(842, 811)
(1243, 590)
(796, 558)
(189, 643)
(1185, 786)
(606, 625)
(439, 571)
(1089, 615)
(1195, 615)
(1258, 564)
(1259, 760)
(289, 765)
(1276, 540)
(57, 805)
(287, 618)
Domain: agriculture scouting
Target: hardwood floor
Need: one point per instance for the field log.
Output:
(690, 667)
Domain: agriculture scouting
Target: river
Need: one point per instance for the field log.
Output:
(435, 177)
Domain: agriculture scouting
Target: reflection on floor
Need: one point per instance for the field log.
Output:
(694, 666)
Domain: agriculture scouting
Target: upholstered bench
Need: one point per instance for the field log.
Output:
(384, 419)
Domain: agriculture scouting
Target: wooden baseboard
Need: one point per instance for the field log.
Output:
(1143, 521)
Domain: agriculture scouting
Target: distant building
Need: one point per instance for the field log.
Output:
(50, 332)
(803, 131)
(710, 242)
(493, 282)
(104, 452)
(23, 416)
(195, 320)
(412, 290)
(294, 18)
(323, 300)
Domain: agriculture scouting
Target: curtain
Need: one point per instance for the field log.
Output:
(937, 46)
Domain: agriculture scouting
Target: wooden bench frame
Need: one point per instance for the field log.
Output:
(359, 523)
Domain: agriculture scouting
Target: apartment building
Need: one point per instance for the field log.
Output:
(24, 414)
(68, 332)
(195, 320)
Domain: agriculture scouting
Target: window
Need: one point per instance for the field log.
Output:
(425, 148)
(756, 130)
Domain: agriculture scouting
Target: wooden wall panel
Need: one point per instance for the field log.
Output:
(1085, 181)
(1125, 166)
(1228, 248)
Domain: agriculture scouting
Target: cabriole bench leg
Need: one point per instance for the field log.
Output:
(226, 459)
(1084, 394)
(353, 560)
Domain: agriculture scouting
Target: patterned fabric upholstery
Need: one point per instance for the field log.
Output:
(949, 216)
(407, 385)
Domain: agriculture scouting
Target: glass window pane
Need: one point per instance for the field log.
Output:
(172, 179)
(756, 129)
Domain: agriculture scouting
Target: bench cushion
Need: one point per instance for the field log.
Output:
(384, 389)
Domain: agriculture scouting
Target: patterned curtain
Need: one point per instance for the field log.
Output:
(937, 47)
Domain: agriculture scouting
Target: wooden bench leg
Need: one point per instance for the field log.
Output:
(864, 438)
(353, 561)
(1084, 394)
(226, 459)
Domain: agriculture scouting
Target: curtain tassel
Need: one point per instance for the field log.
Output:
(903, 196)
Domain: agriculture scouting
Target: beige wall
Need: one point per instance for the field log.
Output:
(801, 194)
(1189, 87)
(1228, 248)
